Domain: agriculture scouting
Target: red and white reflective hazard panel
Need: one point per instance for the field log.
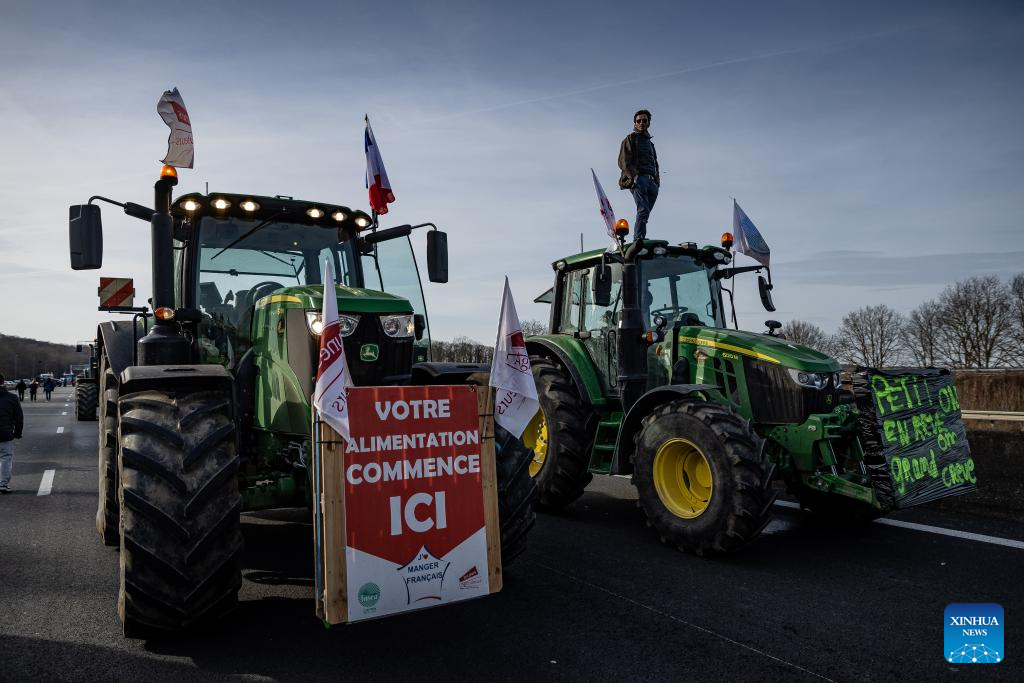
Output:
(116, 292)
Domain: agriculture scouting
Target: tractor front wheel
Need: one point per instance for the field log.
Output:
(558, 437)
(702, 477)
(181, 538)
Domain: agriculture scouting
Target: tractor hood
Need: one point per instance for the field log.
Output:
(760, 346)
(350, 299)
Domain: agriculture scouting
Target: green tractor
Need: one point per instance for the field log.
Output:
(640, 375)
(204, 404)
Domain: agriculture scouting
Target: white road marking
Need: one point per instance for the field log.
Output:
(66, 405)
(955, 533)
(46, 484)
(64, 413)
(60, 430)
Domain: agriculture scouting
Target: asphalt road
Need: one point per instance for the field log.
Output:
(596, 597)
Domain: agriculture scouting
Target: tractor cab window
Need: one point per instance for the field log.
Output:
(569, 317)
(391, 268)
(241, 261)
(679, 289)
(599, 319)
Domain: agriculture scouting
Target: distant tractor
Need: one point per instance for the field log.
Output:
(86, 388)
(206, 412)
(639, 375)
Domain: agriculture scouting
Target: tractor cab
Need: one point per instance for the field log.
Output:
(235, 255)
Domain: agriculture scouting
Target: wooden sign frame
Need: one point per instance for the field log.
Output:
(329, 514)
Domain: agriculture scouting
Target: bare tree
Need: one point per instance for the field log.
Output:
(809, 334)
(872, 336)
(978, 324)
(1017, 308)
(532, 327)
(922, 334)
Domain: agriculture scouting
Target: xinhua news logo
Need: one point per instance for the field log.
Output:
(974, 633)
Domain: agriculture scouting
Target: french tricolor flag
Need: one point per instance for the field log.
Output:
(376, 177)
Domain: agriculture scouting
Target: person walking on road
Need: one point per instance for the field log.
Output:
(21, 387)
(32, 389)
(48, 387)
(638, 162)
(11, 422)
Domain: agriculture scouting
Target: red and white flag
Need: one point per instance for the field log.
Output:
(376, 177)
(180, 151)
(515, 396)
(332, 376)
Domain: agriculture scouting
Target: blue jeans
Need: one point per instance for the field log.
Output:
(645, 193)
(6, 460)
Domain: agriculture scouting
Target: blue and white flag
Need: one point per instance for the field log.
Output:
(746, 238)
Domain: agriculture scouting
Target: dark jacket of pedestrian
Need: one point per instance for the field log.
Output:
(48, 384)
(637, 156)
(21, 387)
(11, 418)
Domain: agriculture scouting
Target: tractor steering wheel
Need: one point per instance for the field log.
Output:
(670, 313)
(260, 290)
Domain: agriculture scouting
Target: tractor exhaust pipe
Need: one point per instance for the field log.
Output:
(632, 349)
(163, 345)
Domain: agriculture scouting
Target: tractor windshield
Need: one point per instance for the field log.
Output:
(234, 273)
(679, 288)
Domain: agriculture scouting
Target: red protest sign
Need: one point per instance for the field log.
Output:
(413, 502)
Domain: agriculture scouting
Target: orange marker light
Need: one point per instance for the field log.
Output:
(726, 240)
(622, 227)
(164, 313)
(168, 172)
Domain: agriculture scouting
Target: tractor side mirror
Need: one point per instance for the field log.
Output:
(437, 256)
(603, 285)
(765, 290)
(420, 324)
(85, 237)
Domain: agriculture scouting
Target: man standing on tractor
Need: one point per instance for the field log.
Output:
(11, 423)
(638, 162)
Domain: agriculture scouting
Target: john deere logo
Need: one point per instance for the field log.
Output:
(369, 353)
(369, 594)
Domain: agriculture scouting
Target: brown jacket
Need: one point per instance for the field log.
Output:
(628, 163)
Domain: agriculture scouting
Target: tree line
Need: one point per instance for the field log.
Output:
(974, 323)
(23, 358)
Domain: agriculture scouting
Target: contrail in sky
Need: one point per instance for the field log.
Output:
(667, 74)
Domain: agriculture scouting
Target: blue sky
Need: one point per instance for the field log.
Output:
(878, 146)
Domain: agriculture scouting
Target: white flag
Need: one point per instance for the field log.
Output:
(515, 396)
(747, 237)
(606, 208)
(171, 108)
(332, 376)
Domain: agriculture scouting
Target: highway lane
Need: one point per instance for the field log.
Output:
(595, 597)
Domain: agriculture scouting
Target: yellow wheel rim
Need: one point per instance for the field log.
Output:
(535, 437)
(682, 478)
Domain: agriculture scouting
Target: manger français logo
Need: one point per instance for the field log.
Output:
(974, 633)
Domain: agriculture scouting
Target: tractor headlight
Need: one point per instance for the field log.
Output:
(346, 323)
(811, 380)
(398, 325)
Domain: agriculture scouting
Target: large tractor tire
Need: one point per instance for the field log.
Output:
(181, 539)
(517, 491)
(558, 437)
(702, 476)
(86, 395)
(108, 509)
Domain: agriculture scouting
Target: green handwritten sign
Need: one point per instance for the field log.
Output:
(915, 445)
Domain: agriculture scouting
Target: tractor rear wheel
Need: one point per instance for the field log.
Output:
(108, 510)
(558, 437)
(86, 394)
(702, 476)
(181, 539)
(517, 491)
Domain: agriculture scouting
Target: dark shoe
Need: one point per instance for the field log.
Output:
(5, 489)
